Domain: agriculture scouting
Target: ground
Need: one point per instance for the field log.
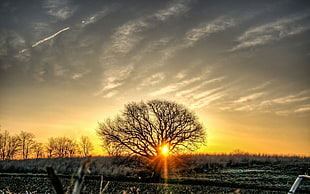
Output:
(195, 174)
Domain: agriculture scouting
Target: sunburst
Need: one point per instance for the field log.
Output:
(164, 150)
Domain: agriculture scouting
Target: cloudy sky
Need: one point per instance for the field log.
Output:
(242, 66)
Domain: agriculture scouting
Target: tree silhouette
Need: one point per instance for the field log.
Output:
(38, 150)
(85, 146)
(61, 147)
(145, 129)
(26, 142)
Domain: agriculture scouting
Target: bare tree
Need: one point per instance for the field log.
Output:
(12, 147)
(85, 145)
(61, 147)
(4, 139)
(26, 142)
(51, 146)
(38, 150)
(71, 147)
(146, 129)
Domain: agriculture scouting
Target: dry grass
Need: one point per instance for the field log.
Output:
(275, 173)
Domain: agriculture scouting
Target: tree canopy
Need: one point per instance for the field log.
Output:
(146, 129)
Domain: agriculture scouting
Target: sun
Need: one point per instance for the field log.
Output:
(165, 150)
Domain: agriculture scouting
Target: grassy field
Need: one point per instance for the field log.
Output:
(187, 174)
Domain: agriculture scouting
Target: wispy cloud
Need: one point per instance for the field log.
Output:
(207, 100)
(206, 93)
(59, 8)
(174, 87)
(10, 40)
(76, 76)
(273, 31)
(114, 78)
(246, 107)
(192, 91)
(198, 33)
(110, 94)
(128, 35)
(59, 70)
(208, 28)
(250, 97)
(125, 39)
(303, 108)
(283, 112)
(50, 37)
(261, 86)
(11, 46)
(299, 110)
(152, 80)
(301, 96)
(172, 10)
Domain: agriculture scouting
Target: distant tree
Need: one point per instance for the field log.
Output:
(51, 146)
(61, 147)
(26, 142)
(12, 147)
(38, 150)
(71, 147)
(85, 145)
(4, 139)
(152, 129)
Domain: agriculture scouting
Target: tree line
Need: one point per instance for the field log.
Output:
(24, 146)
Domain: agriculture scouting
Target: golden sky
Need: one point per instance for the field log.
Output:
(242, 66)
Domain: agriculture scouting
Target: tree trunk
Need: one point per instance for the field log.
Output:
(157, 170)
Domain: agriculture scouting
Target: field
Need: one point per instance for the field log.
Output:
(187, 174)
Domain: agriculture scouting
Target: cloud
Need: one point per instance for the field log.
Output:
(273, 31)
(261, 86)
(11, 49)
(152, 80)
(128, 35)
(192, 91)
(59, 70)
(208, 28)
(250, 97)
(114, 78)
(77, 76)
(125, 39)
(206, 93)
(180, 75)
(172, 10)
(281, 106)
(283, 112)
(50, 37)
(293, 98)
(174, 87)
(110, 94)
(206, 100)
(58, 8)
(197, 34)
(202, 95)
(246, 107)
(10, 41)
(303, 108)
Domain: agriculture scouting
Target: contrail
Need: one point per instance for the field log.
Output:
(50, 37)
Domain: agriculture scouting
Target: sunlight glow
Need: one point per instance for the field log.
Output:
(165, 150)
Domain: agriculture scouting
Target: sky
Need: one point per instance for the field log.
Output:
(242, 66)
